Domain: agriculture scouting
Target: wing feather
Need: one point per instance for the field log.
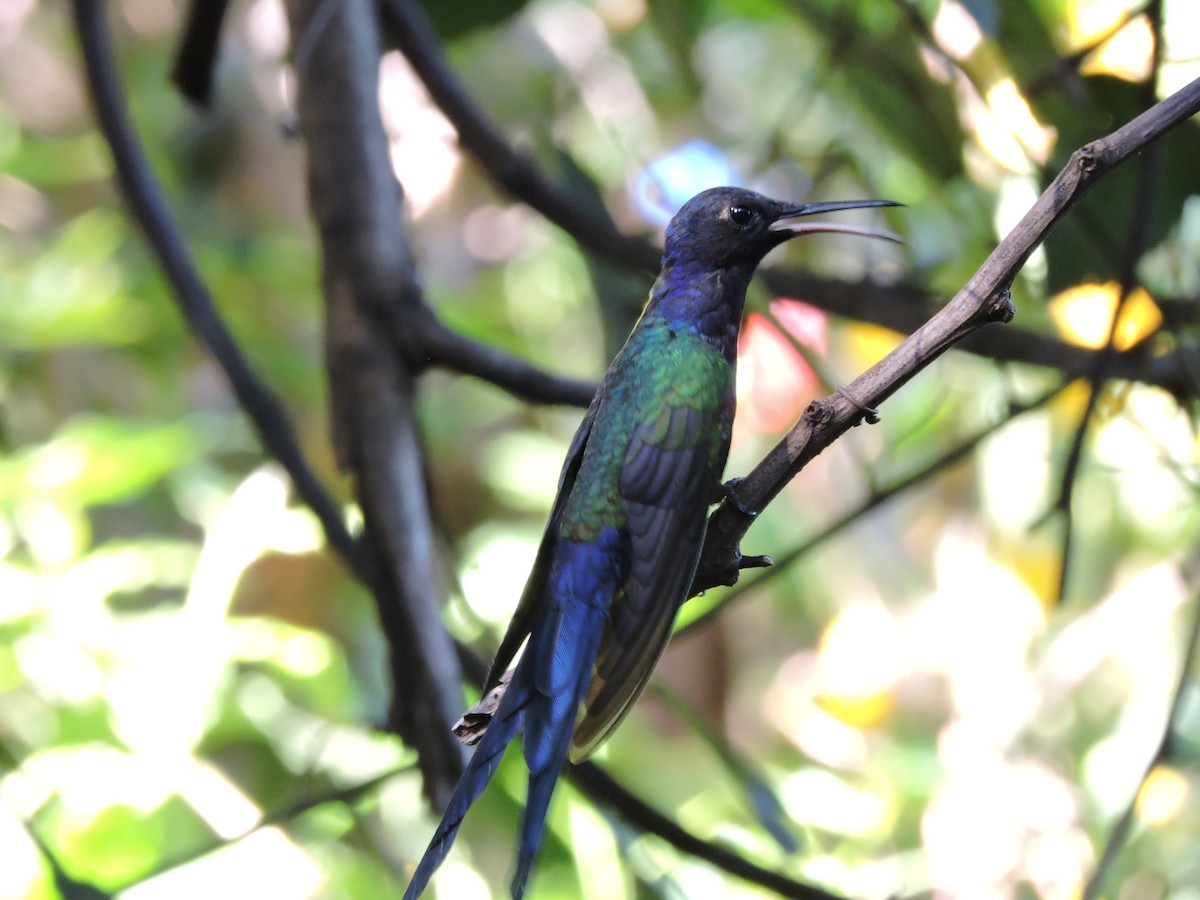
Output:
(665, 483)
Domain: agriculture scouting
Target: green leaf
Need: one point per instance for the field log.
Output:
(94, 459)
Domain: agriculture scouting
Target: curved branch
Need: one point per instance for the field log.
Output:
(1162, 752)
(606, 791)
(149, 208)
(1137, 236)
(593, 781)
(413, 33)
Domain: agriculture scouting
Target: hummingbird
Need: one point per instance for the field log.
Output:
(624, 535)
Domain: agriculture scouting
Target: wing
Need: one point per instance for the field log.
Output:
(666, 481)
(535, 588)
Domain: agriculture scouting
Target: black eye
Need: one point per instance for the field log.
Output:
(741, 215)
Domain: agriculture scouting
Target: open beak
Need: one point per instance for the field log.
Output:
(786, 220)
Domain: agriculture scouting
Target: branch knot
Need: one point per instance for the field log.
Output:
(819, 412)
(999, 306)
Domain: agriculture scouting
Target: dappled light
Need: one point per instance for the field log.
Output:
(970, 671)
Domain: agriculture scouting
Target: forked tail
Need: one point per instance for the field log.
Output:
(543, 697)
(479, 772)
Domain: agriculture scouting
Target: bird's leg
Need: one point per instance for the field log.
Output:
(870, 413)
(729, 489)
(729, 492)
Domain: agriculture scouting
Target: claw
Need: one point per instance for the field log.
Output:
(729, 489)
(755, 562)
(870, 413)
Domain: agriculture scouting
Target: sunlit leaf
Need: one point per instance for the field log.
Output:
(99, 459)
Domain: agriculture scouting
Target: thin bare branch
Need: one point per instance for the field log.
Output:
(877, 499)
(1137, 235)
(602, 787)
(984, 299)
(348, 795)
(604, 790)
(410, 28)
(149, 208)
(461, 354)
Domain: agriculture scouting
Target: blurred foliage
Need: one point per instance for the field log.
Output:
(189, 682)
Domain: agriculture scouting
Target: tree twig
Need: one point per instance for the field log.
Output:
(1137, 235)
(453, 351)
(599, 785)
(604, 790)
(413, 33)
(196, 57)
(346, 795)
(984, 299)
(877, 499)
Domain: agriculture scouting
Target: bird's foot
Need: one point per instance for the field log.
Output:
(870, 413)
(729, 492)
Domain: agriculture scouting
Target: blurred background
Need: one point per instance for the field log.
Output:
(919, 702)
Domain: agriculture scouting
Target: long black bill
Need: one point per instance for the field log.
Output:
(785, 221)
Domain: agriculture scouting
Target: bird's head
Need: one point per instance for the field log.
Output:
(729, 227)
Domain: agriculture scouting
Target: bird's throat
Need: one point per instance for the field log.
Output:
(706, 304)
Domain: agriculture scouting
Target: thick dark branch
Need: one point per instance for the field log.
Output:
(149, 208)
(433, 343)
(369, 280)
(984, 299)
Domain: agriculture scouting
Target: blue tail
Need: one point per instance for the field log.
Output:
(563, 671)
(543, 697)
(503, 728)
